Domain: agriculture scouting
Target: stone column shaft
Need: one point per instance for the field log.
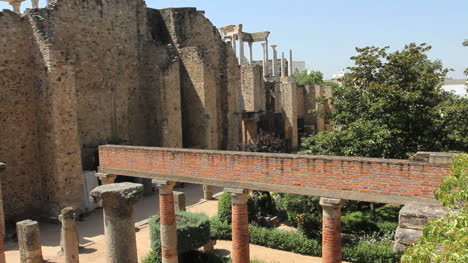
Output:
(29, 241)
(290, 63)
(240, 225)
(207, 192)
(331, 230)
(275, 58)
(265, 58)
(35, 3)
(233, 42)
(283, 66)
(117, 201)
(168, 222)
(250, 53)
(69, 236)
(16, 6)
(241, 49)
(179, 201)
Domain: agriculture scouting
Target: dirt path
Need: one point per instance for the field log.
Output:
(93, 241)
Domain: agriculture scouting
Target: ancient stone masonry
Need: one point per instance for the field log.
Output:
(79, 74)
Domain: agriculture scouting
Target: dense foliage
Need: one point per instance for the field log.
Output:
(267, 142)
(391, 106)
(309, 77)
(446, 239)
(193, 231)
(225, 208)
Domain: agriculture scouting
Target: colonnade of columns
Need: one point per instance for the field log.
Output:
(126, 194)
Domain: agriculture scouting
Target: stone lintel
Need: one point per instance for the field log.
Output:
(128, 192)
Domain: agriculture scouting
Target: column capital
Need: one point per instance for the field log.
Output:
(118, 193)
(106, 178)
(331, 206)
(165, 187)
(238, 196)
(274, 46)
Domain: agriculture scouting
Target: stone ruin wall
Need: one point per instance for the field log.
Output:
(78, 74)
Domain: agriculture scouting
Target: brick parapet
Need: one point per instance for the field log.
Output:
(353, 178)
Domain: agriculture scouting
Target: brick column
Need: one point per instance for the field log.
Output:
(106, 178)
(2, 222)
(331, 230)
(240, 225)
(168, 222)
(117, 201)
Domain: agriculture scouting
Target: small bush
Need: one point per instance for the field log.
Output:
(225, 208)
(152, 257)
(196, 256)
(367, 250)
(222, 228)
(193, 231)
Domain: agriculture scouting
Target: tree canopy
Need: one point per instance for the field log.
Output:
(391, 105)
(309, 78)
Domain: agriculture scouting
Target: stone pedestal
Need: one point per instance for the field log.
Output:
(168, 222)
(106, 178)
(29, 241)
(179, 201)
(240, 225)
(207, 192)
(117, 201)
(413, 217)
(331, 230)
(69, 236)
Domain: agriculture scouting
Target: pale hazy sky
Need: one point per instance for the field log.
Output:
(324, 33)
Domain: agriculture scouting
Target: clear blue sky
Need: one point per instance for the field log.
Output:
(324, 33)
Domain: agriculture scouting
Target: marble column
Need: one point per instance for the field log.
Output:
(240, 225)
(241, 49)
(69, 236)
(29, 241)
(331, 230)
(233, 43)
(250, 53)
(290, 63)
(35, 3)
(168, 222)
(265, 59)
(16, 6)
(283, 66)
(274, 64)
(117, 201)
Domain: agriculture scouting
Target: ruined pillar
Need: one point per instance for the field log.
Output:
(241, 49)
(179, 201)
(69, 236)
(283, 66)
(29, 241)
(106, 178)
(290, 64)
(240, 225)
(250, 53)
(233, 42)
(331, 230)
(2, 221)
(207, 192)
(288, 91)
(265, 58)
(275, 62)
(35, 3)
(16, 6)
(117, 201)
(168, 222)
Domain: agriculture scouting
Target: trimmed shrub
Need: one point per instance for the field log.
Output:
(225, 208)
(221, 228)
(152, 257)
(193, 231)
(366, 251)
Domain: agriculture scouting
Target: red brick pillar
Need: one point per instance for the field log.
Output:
(331, 230)
(240, 225)
(168, 222)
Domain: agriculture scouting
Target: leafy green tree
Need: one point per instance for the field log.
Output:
(446, 239)
(390, 106)
(309, 78)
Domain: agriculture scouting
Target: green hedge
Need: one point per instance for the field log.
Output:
(193, 231)
(225, 208)
(366, 250)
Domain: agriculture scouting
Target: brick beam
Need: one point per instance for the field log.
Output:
(351, 178)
